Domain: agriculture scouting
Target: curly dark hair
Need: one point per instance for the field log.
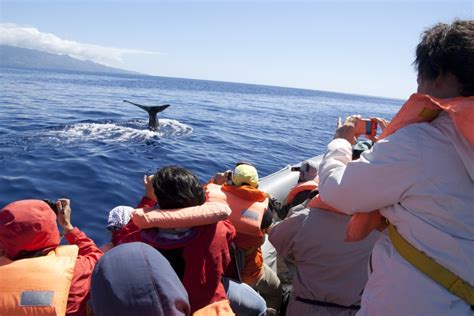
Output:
(448, 48)
(177, 187)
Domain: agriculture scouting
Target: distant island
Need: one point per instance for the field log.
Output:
(18, 57)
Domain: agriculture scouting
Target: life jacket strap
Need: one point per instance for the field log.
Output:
(431, 268)
(326, 304)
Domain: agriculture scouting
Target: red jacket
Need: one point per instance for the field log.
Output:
(30, 225)
(87, 258)
(206, 257)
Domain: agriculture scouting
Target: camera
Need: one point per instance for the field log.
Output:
(52, 205)
(366, 127)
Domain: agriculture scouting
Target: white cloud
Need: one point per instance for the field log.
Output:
(30, 37)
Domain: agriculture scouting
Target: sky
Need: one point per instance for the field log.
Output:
(364, 48)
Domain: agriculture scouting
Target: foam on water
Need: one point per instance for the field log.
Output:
(119, 132)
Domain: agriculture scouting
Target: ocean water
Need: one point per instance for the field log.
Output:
(68, 134)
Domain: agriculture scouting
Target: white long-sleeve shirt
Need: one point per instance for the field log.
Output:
(422, 180)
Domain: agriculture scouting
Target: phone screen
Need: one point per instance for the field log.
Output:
(368, 127)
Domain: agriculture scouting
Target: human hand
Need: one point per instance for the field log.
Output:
(221, 177)
(64, 214)
(383, 123)
(347, 130)
(149, 191)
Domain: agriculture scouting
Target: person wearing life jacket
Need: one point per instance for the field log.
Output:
(243, 299)
(299, 193)
(420, 177)
(135, 279)
(251, 216)
(37, 276)
(330, 274)
(198, 254)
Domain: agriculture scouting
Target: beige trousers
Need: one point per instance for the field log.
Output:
(269, 287)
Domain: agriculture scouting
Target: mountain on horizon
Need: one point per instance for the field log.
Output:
(18, 57)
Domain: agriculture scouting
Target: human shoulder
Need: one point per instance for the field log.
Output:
(402, 145)
(413, 139)
(297, 215)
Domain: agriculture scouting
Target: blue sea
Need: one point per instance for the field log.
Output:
(68, 134)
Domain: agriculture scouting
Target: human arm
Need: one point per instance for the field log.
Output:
(87, 248)
(87, 258)
(379, 178)
(64, 214)
(149, 199)
(149, 190)
(207, 213)
(221, 177)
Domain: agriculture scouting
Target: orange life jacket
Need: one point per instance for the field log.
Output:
(248, 206)
(300, 187)
(246, 214)
(419, 108)
(317, 202)
(37, 286)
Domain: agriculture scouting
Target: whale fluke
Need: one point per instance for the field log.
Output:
(152, 113)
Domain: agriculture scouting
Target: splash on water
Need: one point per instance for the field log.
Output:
(119, 132)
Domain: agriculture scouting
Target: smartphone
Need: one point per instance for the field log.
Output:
(366, 127)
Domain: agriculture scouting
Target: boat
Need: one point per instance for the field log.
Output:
(279, 183)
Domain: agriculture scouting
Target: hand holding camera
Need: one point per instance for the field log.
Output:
(366, 127)
(223, 177)
(348, 129)
(149, 191)
(63, 207)
(355, 126)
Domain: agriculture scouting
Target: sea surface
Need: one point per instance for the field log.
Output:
(69, 134)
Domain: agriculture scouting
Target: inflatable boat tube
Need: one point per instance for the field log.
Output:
(278, 184)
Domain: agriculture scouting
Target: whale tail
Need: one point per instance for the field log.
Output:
(152, 113)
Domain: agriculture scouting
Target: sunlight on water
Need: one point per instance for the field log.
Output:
(118, 133)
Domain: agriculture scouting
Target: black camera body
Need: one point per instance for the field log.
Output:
(52, 205)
